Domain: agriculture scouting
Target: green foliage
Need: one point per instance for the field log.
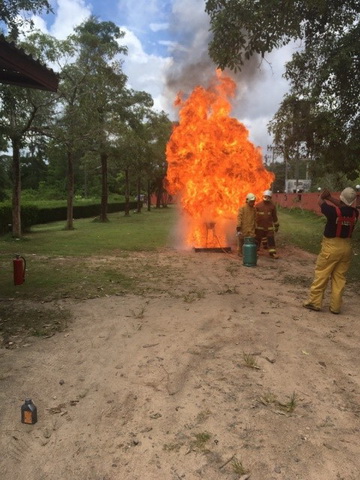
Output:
(22, 112)
(29, 216)
(42, 212)
(244, 28)
(279, 168)
(33, 170)
(78, 140)
(319, 118)
(11, 10)
(4, 179)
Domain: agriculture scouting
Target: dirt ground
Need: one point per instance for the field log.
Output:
(213, 371)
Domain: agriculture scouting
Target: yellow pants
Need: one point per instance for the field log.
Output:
(332, 262)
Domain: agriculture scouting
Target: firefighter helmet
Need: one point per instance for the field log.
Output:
(267, 193)
(250, 197)
(348, 196)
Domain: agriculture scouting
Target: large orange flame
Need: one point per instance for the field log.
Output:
(211, 163)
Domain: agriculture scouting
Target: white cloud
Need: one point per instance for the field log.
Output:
(139, 14)
(145, 72)
(258, 135)
(157, 27)
(69, 14)
(39, 24)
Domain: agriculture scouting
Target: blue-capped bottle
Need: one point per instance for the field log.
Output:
(249, 251)
(28, 412)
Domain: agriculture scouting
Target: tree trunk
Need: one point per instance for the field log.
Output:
(139, 202)
(127, 193)
(159, 192)
(104, 188)
(85, 180)
(70, 192)
(148, 196)
(16, 209)
(164, 199)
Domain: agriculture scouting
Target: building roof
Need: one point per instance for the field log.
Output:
(19, 68)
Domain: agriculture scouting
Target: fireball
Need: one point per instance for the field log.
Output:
(212, 165)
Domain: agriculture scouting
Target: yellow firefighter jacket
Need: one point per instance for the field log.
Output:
(246, 220)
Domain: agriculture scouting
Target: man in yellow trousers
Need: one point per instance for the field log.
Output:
(334, 258)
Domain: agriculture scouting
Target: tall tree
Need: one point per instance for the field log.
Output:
(105, 81)
(64, 127)
(21, 112)
(5, 182)
(137, 117)
(159, 130)
(91, 83)
(325, 73)
(139, 149)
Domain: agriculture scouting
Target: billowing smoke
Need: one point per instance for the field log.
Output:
(192, 65)
(260, 85)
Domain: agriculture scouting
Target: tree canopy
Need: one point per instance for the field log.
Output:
(89, 131)
(324, 73)
(12, 13)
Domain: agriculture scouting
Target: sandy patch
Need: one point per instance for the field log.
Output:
(214, 371)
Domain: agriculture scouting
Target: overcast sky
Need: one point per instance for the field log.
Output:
(167, 44)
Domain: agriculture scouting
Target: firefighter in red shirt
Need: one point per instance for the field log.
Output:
(336, 250)
(267, 224)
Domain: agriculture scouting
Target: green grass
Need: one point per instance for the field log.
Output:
(56, 256)
(95, 259)
(305, 229)
(301, 228)
(90, 261)
(146, 231)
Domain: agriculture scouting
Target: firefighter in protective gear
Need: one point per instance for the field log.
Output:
(267, 224)
(246, 221)
(334, 258)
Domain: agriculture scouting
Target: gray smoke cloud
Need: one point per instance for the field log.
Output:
(192, 65)
(260, 86)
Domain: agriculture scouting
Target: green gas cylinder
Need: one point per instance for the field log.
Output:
(249, 250)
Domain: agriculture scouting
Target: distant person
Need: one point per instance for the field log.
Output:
(267, 224)
(334, 258)
(246, 221)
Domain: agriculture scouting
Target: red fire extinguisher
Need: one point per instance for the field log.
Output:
(19, 263)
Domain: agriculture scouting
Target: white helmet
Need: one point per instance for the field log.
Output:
(267, 193)
(250, 197)
(348, 196)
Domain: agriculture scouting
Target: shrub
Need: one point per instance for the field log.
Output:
(32, 214)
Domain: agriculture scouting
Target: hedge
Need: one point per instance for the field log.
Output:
(33, 215)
